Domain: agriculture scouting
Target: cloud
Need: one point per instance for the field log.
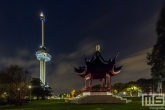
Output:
(22, 53)
(136, 67)
(21, 58)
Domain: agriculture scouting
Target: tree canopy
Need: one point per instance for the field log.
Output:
(38, 90)
(156, 59)
(14, 82)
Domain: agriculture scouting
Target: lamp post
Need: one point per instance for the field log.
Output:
(30, 92)
(18, 93)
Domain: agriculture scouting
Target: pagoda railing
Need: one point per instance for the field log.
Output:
(97, 89)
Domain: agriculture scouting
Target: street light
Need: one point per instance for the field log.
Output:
(30, 92)
(5, 94)
(19, 92)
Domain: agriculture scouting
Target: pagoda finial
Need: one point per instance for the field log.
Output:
(98, 48)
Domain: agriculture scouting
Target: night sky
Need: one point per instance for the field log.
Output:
(75, 27)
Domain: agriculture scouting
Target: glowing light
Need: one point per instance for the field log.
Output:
(30, 87)
(43, 55)
(42, 17)
(134, 87)
(41, 14)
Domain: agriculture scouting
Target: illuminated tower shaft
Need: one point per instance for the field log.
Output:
(41, 54)
(42, 61)
(42, 70)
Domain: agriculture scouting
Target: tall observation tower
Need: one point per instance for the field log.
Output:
(41, 54)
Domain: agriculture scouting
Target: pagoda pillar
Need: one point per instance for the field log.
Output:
(84, 83)
(109, 81)
(105, 82)
(91, 80)
(101, 84)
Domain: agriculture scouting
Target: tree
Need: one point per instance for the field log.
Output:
(14, 81)
(118, 87)
(38, 90)
(147, 85)
(156, 59)
(131, 88)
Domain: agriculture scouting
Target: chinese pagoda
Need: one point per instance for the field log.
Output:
(99, 69)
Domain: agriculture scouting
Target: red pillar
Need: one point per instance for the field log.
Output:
(91, 79)
(105, 81)
(109, 82)
(84, 83)
(100, 84)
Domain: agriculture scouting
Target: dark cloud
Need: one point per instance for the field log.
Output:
(136, 67)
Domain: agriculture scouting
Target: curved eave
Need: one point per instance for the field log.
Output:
(116, 70)
(81, 73)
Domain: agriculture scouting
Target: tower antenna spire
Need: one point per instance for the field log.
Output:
(42, 18)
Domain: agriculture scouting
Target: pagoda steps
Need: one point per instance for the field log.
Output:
(99, 99)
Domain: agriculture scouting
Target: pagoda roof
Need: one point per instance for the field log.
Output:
(98, 66)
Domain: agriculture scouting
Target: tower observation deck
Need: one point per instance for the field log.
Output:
(41, 54)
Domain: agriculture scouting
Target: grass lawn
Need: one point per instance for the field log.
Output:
(62, 105)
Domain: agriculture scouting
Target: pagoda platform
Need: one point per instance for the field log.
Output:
(96, 93)
(98, 97)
